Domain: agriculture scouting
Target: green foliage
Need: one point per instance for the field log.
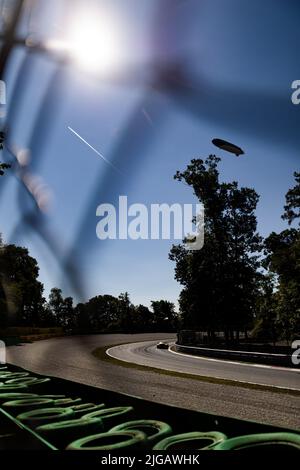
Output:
(266, 327)
(109, 313)
(292, 206)
(143, 319)
(22, 302)
(283, 258)
(224, 287)
(219, 281)
(164, 315)
(3, 167)
(20, 291)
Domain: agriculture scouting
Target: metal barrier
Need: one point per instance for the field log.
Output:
(284, 360)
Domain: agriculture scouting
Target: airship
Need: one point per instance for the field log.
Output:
(228, 147)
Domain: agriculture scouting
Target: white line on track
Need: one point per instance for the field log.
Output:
(108, 352)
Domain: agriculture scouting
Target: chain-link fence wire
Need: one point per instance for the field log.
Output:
(169, 75)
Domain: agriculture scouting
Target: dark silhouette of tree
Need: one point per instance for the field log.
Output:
(164, 315)
(106, 313)
(292, 206)
(265, 327)
(55, 306)
(67, 315)
(220, 280)
(101, 313)
(60, 310)
(282, 258)
(3, 167)
(125, 313)
(21, 294)
(143, 319)
(283, 254)
(81, 319)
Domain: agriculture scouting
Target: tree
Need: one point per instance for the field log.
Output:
(282, 258)
(21, 293)
(56, 305)
(143, 319)
(3, 167)
(292, 206)
(164, 315)
(125, 313)
(219, 281)
(266, 327)
(100, 313)
(81, 319)
(67, 314)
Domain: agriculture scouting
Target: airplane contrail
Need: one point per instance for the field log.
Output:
(94, 150)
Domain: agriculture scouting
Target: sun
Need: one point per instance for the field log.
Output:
(92, 42)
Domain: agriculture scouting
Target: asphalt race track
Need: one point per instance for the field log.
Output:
(147, 354)
(71, 358)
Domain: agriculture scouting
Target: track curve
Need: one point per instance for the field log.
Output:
(71, 358)
(147, 354)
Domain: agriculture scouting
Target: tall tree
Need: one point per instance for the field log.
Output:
(125, 312)
(219, 281)
(100, 313)
(56, 305)
(265, 326)
(21, 292)
(283, 259)
(292, 206)
(164, 315)
(143, 319)
(67, 314)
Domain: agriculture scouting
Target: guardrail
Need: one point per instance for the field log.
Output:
(283, 360)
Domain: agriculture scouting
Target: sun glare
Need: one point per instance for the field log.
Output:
(92, 42)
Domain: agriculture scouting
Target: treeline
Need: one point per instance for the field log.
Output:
(22, 303)
(106, 313)
(239, 281)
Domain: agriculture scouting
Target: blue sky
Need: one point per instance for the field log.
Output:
(239, 59)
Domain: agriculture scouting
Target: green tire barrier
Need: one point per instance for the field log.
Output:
(112, 441)
(83, 406)
(155, 430)
(35, 382)
(54, 397)
(11, 388)
(22, 380)
(65, 421)
(269, 441)
(111, 416)
(67, 401)
(16, 396)
(191, 441)
(81, 410)
(42, 416)
(26, 404)
(62, 433)
(12, 375)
